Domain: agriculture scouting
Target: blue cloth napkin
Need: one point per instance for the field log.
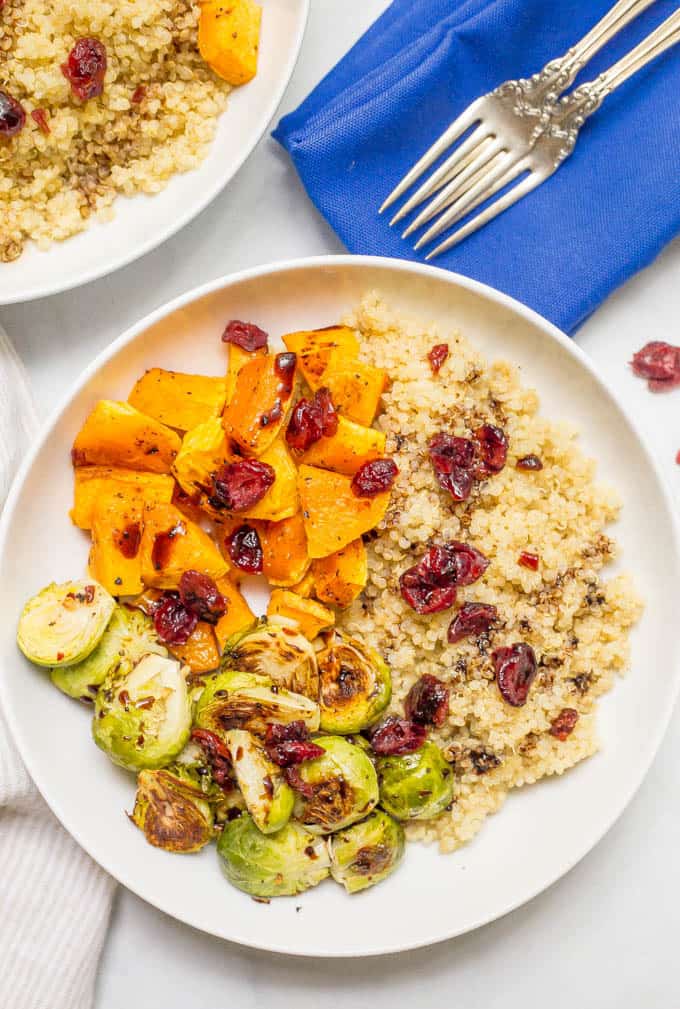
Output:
(562, 250)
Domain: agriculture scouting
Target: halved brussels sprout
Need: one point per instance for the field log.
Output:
(274, 647)
(336, 789)
(63, 624)
(367, 852)
(268, 798)
(172, 810)
(225, 802)
(129, 635)
(355, 685)
(415, 786)
(143, 719)
(271, 865)
(233, 700)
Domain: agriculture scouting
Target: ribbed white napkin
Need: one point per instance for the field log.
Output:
(54, 901)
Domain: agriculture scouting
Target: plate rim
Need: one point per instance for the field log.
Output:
(321, 262)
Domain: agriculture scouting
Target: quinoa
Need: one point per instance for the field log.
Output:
(576, 622)
(51, 185)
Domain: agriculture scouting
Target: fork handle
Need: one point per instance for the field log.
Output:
(621, 14)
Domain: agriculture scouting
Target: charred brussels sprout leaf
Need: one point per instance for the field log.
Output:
(355, 685)
(142, 720)
(275, 648)
(268, 798)
(336, 789)
(367, 852)
(172, 810)
(233, 700)
(271, 865)
(63, 624)
(415, 786)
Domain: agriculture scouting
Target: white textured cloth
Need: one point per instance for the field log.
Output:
(54, 901)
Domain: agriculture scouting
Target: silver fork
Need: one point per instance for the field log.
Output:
(510, 118)
(554, 144)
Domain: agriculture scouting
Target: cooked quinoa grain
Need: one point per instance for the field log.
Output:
(156, 117)
(576, 622)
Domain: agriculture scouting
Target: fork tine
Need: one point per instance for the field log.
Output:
(490, 191)
(513, 196)
(448, 137)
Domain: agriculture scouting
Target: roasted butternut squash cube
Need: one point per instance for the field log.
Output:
(172, 544)
(229, 38)
(200, 652)
(178, 400)
(203, 451)
(356, 390)
(281, 500)
(239, 615)
(316, 348)
(262, 397)
(284, 550)
(340, 578)
(305, 587)
(237, 358)
(93, 483)
(311, 616)
(115, 559)
(116, 434)
(349, 448)
(333, 514)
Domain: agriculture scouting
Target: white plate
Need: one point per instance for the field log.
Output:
(142, 222)
(543, 830)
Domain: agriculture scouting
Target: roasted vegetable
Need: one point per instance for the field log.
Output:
(172, 544)
(63, 624)
(269, 799)
(356, 390)
(281, 500)
(276, 649)
(333, 514)
(200, 653)
(284, 550)
(115, 434)
(311, 617)
(142, 720)
(239, 615)
(271, 865)
(172, 810)
(367, 852)
(233, 700)
(229, 38)
(178, 400)
(415, 786)
(94, 483)
(337, 789)
(350, 447)
(259, 407)
(116, 537)
(341, 577)
(355, 685)
(305, 587)
(318, 349)
(203, 452)
(237, 358)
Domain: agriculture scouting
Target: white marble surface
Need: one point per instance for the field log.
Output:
(606, 935)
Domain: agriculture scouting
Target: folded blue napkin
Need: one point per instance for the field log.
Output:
(563, 249)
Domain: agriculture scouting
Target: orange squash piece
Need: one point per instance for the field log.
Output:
(340, 578)
(259, 407)
(239, 615)
(115, 434)
(115, 560)
(311, 616)
(356, 389)
(333, 515)
(178, 400)
(284, 550)
(305, 587)
(281, 500)
(93, 483)
(203, 451)
(229, 37)
(172, 544)
(200, 652)
(237, 358)
(349, 448)
(315, 348)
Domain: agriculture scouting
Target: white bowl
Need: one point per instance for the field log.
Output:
(543, 830)
(142, 222)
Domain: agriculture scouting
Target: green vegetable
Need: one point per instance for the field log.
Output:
(367, 852)
(232, 700)
(271, 865)
(355, 685)
(342, 786)
(172, 810)
(415, 786)
(142, 720)
(274, 647)
(268, 797)
(128, 636)
(63, 624)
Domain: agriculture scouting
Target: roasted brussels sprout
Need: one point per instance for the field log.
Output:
(274, 647)
(172, 810)
(233, 700)
(355, 685)
(142, 720)
(336, 789)
(271, 865)
(63, 624)
(415, 786)
(129, 635)
(268, 798)
(367, 852)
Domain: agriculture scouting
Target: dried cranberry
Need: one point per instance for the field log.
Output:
(85, 68)
(312, 420)
(529, 462)
(396, 736)
(515, 672)
(174, 623)
(245, 549)
(288, 746)
(493, 449)
(453, 460)
(471, 619)
(138, 95)
(374, 477)
(217, 755)
(245, 335)
(430, 586)
(39, 117)
(128, 540)
(659, 363)
(161, 550)
(563, 725)
(437, 356)
(240, 485)
(12, 116)
(200, 595)
(427, 702)
(528, 560)
(468, 562)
